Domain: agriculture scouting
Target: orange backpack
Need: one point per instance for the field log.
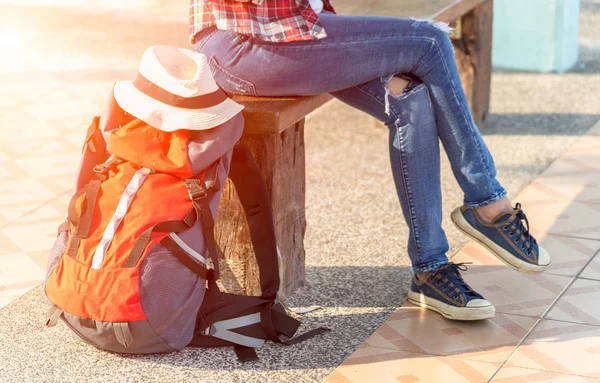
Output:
(134, 267)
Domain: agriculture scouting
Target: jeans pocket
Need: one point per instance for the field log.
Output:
(229, 82)
(242, 38)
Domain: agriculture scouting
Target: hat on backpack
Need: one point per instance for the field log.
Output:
(174, 89)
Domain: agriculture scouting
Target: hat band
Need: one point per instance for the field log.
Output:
(154, 91)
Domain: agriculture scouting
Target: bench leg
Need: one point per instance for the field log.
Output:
(281, 160)
(473, 47)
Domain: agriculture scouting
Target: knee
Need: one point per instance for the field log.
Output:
(437, 30)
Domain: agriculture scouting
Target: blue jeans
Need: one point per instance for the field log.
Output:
(354, 64)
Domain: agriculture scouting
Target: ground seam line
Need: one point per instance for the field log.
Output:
(552, 319)
(573, 236)
(543, 316)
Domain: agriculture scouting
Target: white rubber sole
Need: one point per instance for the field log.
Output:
(510, 260)
(451, 312)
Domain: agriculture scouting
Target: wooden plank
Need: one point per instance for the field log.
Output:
(456, 10)
(420, 9)
(477, 33)
(473, 53)
(268, 115)
(281, 160)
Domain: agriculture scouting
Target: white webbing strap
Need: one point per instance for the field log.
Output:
(53, 315)
(221, 330)
(184, 246)
(123, 334)
(132, 188)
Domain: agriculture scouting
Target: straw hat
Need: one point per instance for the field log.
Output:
(174, 89)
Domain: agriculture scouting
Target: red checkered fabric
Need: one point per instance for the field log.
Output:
(268, 20)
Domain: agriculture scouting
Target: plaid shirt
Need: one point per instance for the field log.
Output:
(269, 20)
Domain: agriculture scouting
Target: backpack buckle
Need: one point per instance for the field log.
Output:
(195, 189)
(103, 168)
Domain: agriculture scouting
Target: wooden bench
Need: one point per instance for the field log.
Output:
(275, 132)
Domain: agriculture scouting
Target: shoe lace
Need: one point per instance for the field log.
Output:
(517, 227)
(448, 277)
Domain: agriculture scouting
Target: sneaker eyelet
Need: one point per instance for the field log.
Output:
(511, 233)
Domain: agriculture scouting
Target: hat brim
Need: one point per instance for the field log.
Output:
(170, 118)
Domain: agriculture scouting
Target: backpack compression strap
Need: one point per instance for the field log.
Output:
(252, 192)
(82, 222)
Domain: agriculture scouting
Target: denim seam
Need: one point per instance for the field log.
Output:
(217, 66)
(205, 40)
(463, 112)
(404, 171)
(323, 44)
(408, 192)
(433, 266)
(495, 198)
(422, 57)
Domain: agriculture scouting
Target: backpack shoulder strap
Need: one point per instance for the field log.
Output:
(252, 191)
(229, 319)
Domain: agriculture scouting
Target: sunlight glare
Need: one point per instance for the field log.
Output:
(9, 39)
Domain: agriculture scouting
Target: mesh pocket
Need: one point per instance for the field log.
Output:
(171, 296)
(57, 251)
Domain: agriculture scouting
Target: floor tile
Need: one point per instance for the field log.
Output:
(564, 217)
(25, 131)
(45, 213)
(7, 246)
(562, 347)
(525, 375)
(383, 366)
(510, 291)
(579, 303)
(49, 166)
(582, 186)
(43, 232)
(22, 191)
(592, 271)
(569, 255)
(18, 268)
(39, 257)
(414, 329)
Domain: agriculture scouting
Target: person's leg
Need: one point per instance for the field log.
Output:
(415, 161)
(357, 50)
(414, 151)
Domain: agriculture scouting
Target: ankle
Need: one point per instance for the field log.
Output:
(421, 276)
(489, 212)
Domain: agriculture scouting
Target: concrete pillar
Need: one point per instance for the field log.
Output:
(535, 35)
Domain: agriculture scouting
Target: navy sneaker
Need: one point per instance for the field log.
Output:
(444, 291)
(506, 237)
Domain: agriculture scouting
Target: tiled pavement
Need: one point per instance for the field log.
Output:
(547, 327)
(50, 90)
